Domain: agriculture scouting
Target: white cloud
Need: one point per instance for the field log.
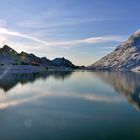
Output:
(92, 40)
(104, 39)
(17, 34)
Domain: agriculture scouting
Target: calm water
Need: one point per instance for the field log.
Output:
(70, 106)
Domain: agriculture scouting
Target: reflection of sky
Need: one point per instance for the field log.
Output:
(76, 87)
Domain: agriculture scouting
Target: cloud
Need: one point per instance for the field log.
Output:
(17, 34)
(103, 39)
(57, 18)
(58, 23)
(92, 40)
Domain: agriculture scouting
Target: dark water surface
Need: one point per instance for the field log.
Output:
(70, 106)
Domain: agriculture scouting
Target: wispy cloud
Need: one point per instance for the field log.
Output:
(91, 40)
(58, 23)
(18, 34)
(53, 18)
(101, 39)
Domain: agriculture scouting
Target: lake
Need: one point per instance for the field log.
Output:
(70, 106)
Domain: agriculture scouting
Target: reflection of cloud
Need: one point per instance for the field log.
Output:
(12, 100)
(106, 99)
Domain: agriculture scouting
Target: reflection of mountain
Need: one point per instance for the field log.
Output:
(125, 83)
(9, 80)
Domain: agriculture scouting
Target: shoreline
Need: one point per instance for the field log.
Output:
(35, 69)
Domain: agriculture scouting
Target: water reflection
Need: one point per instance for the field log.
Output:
(69, 105)
(125, 83)
(20, 88)
(9, 80)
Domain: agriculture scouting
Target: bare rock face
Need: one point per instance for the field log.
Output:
(124, 57)
(62, 62)
(9, 56)
(6, 50)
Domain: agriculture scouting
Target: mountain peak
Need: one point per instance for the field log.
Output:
(7, 50)
(6, 47)
(137, 33)
(23, 53)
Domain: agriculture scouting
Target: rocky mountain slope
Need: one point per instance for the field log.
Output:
(124, 57)
(9, 57)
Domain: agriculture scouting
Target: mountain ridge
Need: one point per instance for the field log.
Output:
(9, 56)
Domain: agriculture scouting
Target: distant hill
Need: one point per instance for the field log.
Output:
(124, 57)
(9, 57)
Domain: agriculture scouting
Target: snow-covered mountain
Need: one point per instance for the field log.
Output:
(124, 57)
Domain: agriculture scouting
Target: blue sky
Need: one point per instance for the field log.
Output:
(80, 30)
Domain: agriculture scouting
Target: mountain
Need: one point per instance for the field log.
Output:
(124, 57)
(9, 57)
(62, 62)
